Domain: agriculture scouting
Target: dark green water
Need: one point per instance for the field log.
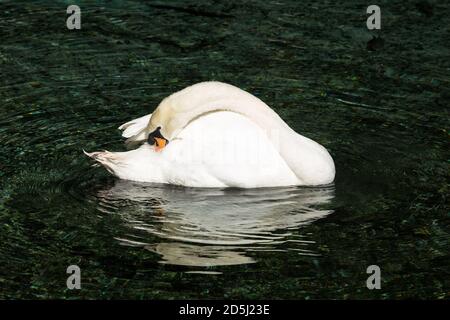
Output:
(383, 114)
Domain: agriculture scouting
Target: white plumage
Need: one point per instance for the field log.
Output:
(220, 136)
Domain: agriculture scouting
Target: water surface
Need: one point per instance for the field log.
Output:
(382, 110)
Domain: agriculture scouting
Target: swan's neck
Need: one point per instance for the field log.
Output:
(242, 103)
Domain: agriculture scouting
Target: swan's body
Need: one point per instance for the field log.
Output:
(220, 136)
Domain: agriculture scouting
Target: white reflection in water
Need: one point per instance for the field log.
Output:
(212, 227)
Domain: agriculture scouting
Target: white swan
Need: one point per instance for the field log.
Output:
(220, 136)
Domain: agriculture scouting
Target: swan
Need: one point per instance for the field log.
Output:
(213, 134)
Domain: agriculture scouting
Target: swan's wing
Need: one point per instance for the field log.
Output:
(133, 127)
(134, 130)
(223, 149)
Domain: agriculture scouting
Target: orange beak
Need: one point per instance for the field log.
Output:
(160, 144)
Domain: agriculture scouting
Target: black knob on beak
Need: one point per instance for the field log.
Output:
(155, 134)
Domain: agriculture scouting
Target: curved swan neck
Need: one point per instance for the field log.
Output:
(189, 104)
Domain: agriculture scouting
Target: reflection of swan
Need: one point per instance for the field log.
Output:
(208, 227)
(220, 136)
(198, 256)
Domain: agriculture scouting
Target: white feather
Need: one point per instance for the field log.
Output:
(135, 127)
(134, 130)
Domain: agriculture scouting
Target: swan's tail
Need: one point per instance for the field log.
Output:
(112, 161)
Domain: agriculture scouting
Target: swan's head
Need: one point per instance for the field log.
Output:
(158, 129)
(164, 125)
